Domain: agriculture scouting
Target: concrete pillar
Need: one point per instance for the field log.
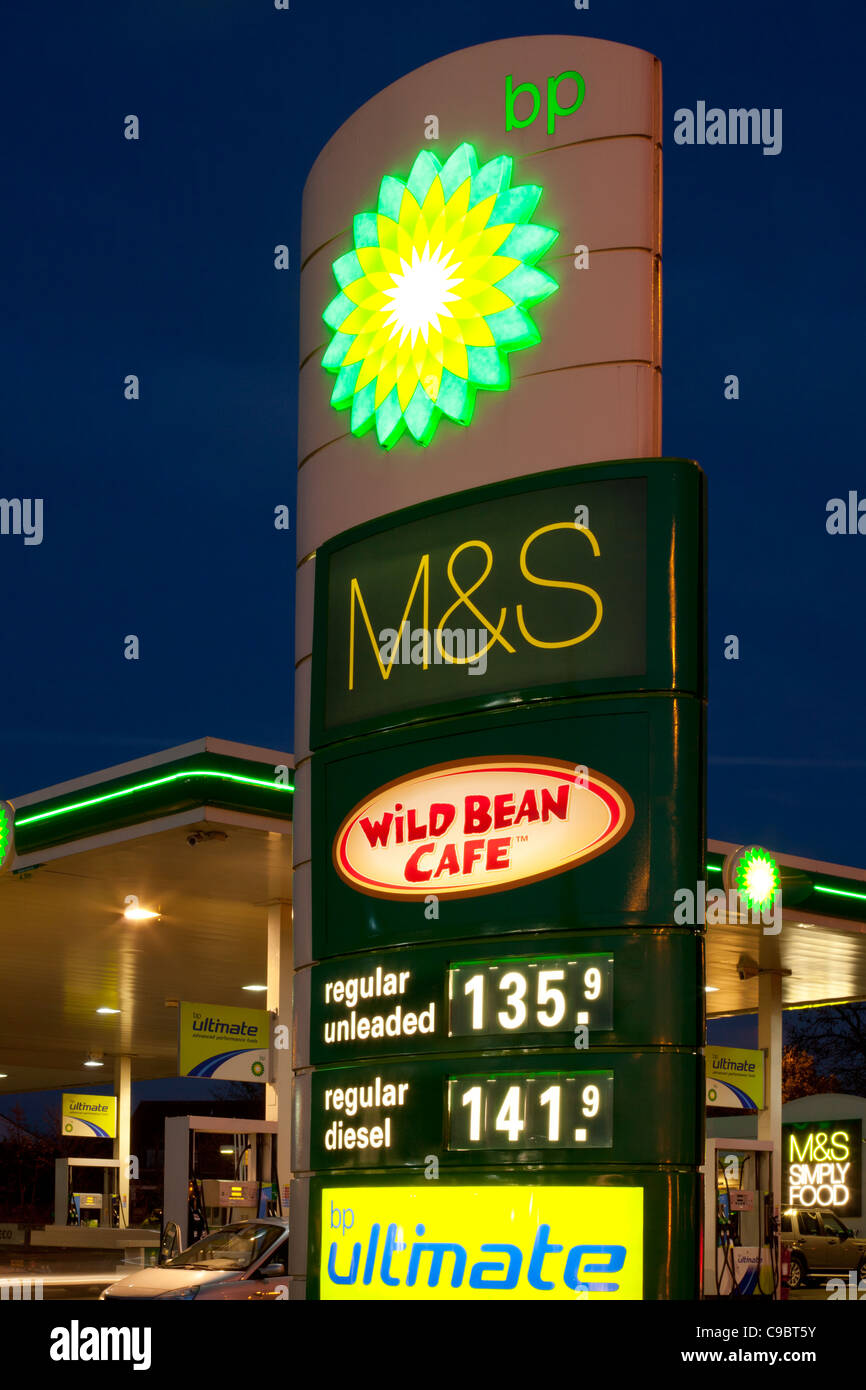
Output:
(123, 1088)
(278, 1093)
(175, 1182)
(770, 1040)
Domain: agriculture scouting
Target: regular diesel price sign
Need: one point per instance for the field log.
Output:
(555, 1111)
(562, 1108)
(514, 997)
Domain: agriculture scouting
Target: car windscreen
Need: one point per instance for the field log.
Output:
(832, 1225)
(232, 1248)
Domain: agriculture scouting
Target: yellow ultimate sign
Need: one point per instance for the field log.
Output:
(92, 1116)
(482, 1243)
(735, 1079)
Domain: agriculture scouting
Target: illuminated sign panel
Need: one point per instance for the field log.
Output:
(822, 1163)
(435, 999)
(508, 1242)
(514, 997)
(636, 745)
(92, 1117)
(567, 581)
(735, 1079)
(236, 1193)
(480, 826)
(552, 1110)
(465, 1109)
(223, 1041)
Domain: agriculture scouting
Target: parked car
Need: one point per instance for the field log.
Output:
(820, 1244)
(246, 1260)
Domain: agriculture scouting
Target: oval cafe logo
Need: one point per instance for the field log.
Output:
(479, 825)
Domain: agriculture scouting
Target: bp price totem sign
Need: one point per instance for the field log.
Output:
(504, 1096)
(499, 698)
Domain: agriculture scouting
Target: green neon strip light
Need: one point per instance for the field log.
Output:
(714, 868)
(145, 786)
(840, 892)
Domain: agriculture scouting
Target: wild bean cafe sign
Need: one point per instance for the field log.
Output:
(479, 825)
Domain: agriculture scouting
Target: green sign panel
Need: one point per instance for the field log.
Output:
(515, 837)
(636, 1106)
(578, 581)
(454, 999)
(507, 790)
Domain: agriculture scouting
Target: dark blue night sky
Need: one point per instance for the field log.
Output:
(156, 258)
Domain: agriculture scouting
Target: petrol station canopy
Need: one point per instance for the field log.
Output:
(819, 950)
(202, 835)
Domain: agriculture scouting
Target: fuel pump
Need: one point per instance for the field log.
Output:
(218, 1170)
(741, 1237)
(75, 1201)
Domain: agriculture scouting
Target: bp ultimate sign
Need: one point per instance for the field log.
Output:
(500, 997)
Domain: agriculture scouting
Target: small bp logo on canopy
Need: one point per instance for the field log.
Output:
(7, 838)
(435, 295)
(753, 873)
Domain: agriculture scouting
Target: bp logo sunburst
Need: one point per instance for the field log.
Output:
(756, 877)
(7, 822)
(435, 295)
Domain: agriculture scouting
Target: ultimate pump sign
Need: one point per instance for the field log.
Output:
(226, 1043)
(92, 1117)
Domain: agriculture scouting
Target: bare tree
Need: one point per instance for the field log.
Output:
(835, 1037)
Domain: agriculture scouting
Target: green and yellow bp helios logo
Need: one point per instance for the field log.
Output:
(435, 295)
